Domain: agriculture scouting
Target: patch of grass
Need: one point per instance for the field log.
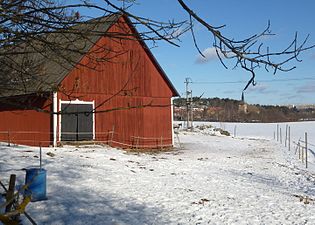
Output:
(150, 150)
(223, 132)
(203, 127)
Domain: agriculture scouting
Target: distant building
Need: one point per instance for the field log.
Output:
(242, 108)
(245, 108)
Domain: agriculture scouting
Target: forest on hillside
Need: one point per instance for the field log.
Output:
(229, 110)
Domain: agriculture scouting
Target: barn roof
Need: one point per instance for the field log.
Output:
(51, 64)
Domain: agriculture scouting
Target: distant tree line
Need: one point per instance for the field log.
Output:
(229, 110)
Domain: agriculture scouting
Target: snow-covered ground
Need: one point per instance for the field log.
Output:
(269, 132)
(212, 179)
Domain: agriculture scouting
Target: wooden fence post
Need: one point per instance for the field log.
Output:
(137, 144)
(289, 144)
(235, 131)
(112, 136)
(10, 192)
(286, 135)
(277, 132)
(40, 155)
(180, 146)
(9, 138)
(280, 135)
(274, 135)
(161, 143)
(299, 150)
(302, 154)
(306, 150)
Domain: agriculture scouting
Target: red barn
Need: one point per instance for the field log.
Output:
(124, 100)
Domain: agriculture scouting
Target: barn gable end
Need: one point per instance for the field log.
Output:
(131, 92)
(128, 66)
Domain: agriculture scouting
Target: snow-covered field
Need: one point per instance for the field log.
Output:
(267, 130)
(250, 179)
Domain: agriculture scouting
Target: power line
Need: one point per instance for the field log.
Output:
(262, 81)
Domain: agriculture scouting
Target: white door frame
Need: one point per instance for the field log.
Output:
(77, 101)
(55, 118)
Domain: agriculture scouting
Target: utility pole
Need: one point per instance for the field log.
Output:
(189, 113)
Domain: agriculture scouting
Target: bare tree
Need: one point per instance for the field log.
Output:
(249, 53)
(32, 31)
(36, 36)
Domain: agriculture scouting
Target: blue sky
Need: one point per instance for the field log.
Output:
(242, 19)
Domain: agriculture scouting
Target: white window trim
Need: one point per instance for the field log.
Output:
(77, 101)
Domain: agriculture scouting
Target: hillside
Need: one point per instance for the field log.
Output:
(229, 110)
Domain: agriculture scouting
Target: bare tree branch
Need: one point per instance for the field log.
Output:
(48, 29)
(248, 53)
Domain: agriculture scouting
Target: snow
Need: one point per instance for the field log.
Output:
(269, 131)
(266, 130)
(211, 179)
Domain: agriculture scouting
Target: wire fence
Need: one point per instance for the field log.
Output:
(304, 149)
(112, 138)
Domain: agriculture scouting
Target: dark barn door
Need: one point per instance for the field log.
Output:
(76, 122)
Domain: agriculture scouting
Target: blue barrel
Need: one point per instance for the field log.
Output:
(36, 184)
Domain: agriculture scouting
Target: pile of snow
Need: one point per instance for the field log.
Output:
(206, 129)
(210, 180)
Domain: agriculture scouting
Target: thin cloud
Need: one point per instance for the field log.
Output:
(296, 96)
(260, 88)
(231, 92)
(210, 55)
(308, 88)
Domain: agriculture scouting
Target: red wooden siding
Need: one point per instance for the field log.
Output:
(26, 126)
(128, 80)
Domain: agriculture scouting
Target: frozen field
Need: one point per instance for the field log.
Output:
(212, 179)
(266, 130)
